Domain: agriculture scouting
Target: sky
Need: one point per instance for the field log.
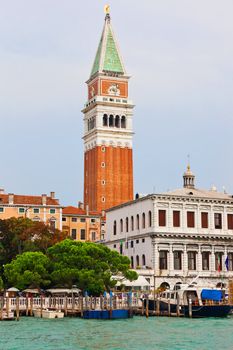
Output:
(179, 54)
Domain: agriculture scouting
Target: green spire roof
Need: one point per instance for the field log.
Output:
(108, 58)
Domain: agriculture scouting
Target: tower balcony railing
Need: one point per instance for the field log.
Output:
(112, 99)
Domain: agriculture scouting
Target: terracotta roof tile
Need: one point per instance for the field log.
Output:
(78, 211)
(30, 200)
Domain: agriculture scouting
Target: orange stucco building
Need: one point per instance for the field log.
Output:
(37, 208)
(82, 224)
(108, 132)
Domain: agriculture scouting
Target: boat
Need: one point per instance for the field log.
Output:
(46, 313)
(191, 300)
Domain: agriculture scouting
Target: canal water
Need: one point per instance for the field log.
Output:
(139, 333)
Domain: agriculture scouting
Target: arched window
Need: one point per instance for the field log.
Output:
(111, 120)
(143, 260)
(123, 122)
(132, 264)
(138, 222)
(132, 223)
(117, 121)
(127, 224)
(121, 222)
(115, 228)
(137, 261)
(149, 219)
(143, 220)
(105, 120)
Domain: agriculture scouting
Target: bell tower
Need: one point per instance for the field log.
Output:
(108, 157)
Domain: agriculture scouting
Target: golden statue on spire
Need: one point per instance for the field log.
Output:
(107, 9)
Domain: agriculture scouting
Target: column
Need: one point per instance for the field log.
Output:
(170, 261)
(212, 260)
(199, 259)
(185, 261)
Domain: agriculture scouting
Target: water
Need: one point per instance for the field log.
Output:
(139, 333)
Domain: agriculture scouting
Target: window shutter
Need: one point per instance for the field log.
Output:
(204, 220)
(230, 221)
(162, 217)
(176, 218)
(190, 219)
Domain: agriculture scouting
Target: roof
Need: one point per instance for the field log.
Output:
(78, 211)
(187, 192)
(27, 200)
(108, 58)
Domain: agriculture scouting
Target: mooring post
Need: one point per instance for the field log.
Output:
(17, 308)
(65, 308)
(147, 307)
(178, 306)
(169, 307)
(7, 306)
(190, 308)
(31, 305)
(27, 305)
(157, 306)
(41, 306)
(2, 306)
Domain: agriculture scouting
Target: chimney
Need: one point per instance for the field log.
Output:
(2, 191)
(80, 205)
(87, 209)
(11, 198)
(52, 195)
(44, 199)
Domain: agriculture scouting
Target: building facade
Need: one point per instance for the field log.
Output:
(82, 224)
(37, 208)
(175, 236)
(108, 131)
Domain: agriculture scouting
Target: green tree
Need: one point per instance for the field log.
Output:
(88, 265)
(30, 269)
(1, 283)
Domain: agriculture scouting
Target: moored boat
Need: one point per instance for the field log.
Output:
(191, 301)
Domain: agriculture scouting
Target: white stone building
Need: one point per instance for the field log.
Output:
(175, 236)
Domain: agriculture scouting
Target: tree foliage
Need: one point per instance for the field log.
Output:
(90, 266)
(19, 235)
(30, 269)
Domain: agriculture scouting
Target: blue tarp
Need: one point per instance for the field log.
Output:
(211, 294)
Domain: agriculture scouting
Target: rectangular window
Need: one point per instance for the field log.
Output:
(82, 234)
(137, 241)
(73, 233)
(93, 236)
(176, 218)
(230, 221)
(1, 209)
(143, 240)
(52, 211)
(218, 220)
(177, 260)
(131, 244)
(190, 219)
(163, 260)
(204, 220)
(74, 219)
(63, 219)
(82, 220)
(92, 220)
(192, 260)
(36, 210)
(52, 224)
(21, 210)
(162, 217)
(205, 261)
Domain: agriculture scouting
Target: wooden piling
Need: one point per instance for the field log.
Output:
(41, 306)
(65, 309)
(2, 306)
(157, 306)
(31, 305)
(7, 306)
(169, 307)
(81, 305)
(190, 308)
(27, 305)
(17, 308)
(178, 306)
(147, 307)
